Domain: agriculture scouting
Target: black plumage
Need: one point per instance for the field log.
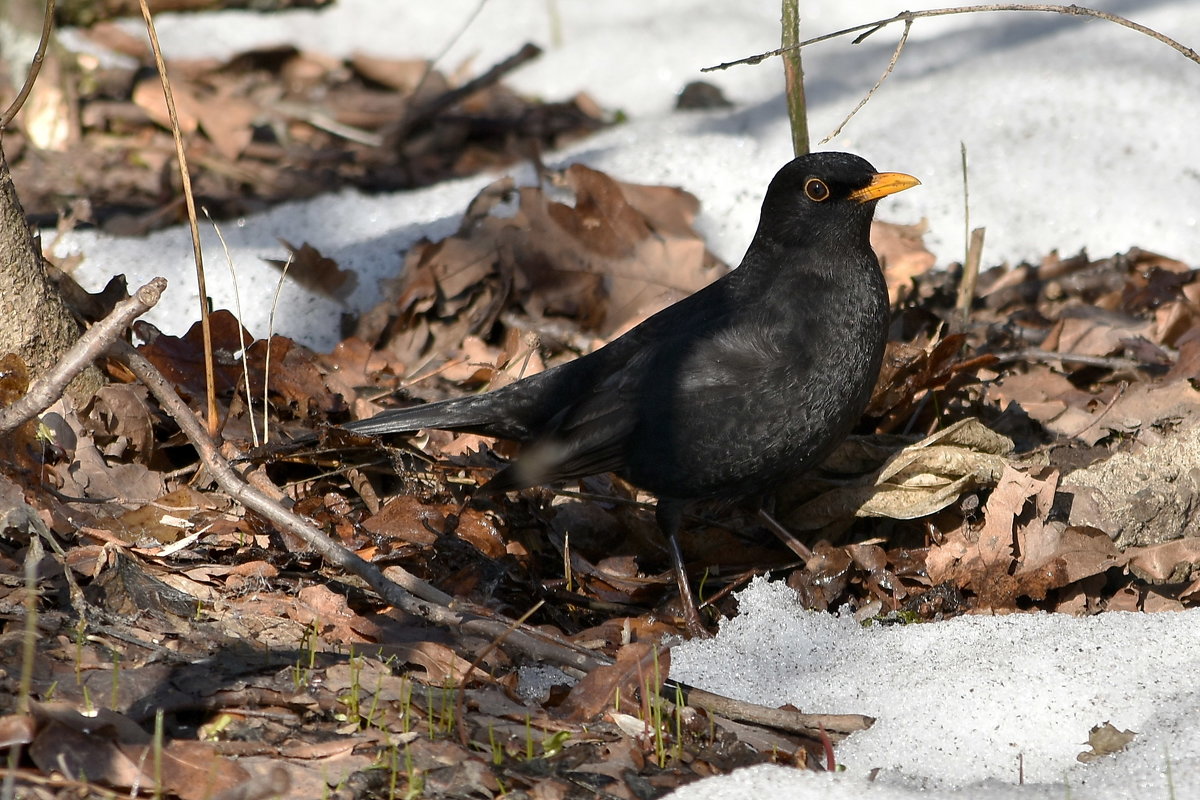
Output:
(745, 383)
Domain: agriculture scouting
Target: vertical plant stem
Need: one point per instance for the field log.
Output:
(793, 72)
(190, 202)
(973, 242)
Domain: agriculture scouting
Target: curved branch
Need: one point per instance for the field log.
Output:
(34, 68)
(909, 16)
(90, 346)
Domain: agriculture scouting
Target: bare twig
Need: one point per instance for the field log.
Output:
(962, 151)
(1104, 412)
(193, 225)
(838, 726)
(450, 98)
(908, 16)
(891, 65)
(267, 358)
(325, 122)
(454, 38)
(34, 68)
(94, 341)
(1105, 362)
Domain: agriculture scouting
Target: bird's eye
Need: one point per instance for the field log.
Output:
(816, 190)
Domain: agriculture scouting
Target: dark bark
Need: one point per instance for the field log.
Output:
(34, 320)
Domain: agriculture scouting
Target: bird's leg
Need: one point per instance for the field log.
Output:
(669, 515)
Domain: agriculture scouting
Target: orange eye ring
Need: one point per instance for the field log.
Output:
(816, 190)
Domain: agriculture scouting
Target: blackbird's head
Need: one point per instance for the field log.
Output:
(826, 196)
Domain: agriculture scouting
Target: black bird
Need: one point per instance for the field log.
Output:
(749, 381)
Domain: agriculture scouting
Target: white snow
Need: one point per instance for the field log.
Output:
(961, 704)
(1078, 133)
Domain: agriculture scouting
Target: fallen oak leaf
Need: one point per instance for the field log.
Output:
(1168, 562)
(1050, 554)
(980, 560)
(618, 254)
(639, 666)
(917, 480)
(307, 266)
(1104, 740)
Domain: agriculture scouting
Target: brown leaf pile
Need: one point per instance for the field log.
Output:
(264, 127)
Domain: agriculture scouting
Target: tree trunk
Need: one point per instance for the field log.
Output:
(34, 322)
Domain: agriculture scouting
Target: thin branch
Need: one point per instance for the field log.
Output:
(839, 726)
(267, 358)
(90, 346)
(908, 16)
(190, 202)
(891, 65)
(1104, 412)
(428, 111)
(1114, 363)
(34, 68)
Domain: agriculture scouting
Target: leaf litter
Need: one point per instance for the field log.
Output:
(1043, 457)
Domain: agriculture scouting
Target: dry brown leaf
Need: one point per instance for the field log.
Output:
(328, 611)
(619, 253)
(407, 519)
(1169, 562)
(916, 481)
(121, 411)
(401, 74)
(1104, 740)
(79, 754)
(902, 254)
(227, 120)
(16, 729)
(316, 272)
(191, 770)
(639, 665)
(148, 95)
(1092, 331)
(441, 665)
(980, 560)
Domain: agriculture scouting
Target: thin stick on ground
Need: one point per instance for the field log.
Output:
(908, 16)
(193, 225)
(423, 113)
(90, 346)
